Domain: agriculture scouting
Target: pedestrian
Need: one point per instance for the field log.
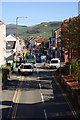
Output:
(19, 69)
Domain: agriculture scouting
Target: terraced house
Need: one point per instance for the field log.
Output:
(2, 43)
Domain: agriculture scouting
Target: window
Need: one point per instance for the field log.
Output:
(29, 57)
(54, 61)
(27, 67)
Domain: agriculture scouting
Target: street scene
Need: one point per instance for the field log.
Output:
(40, 62)
(38, 96)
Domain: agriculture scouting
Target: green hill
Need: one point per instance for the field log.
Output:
(44, 29)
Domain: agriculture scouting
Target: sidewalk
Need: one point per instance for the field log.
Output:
(72, 91)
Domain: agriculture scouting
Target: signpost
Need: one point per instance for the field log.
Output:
(43, 58)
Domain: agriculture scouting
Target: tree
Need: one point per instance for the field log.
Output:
(70, 31)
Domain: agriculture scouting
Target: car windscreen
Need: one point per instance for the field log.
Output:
(54, 61)
(27, 67)
(30, 57)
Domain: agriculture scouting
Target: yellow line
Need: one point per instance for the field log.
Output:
(16, 98)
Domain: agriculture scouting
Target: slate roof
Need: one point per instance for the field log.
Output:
(9, 58)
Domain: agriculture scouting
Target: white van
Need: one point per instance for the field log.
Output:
(54, 63)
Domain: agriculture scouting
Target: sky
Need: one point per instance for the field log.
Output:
(37, 12)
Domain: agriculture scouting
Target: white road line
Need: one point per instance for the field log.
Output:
(42, 97)
(45, 114)
(40, 86)
(38, 77)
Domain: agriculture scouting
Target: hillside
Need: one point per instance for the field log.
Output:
(11, 29)
(44, 29)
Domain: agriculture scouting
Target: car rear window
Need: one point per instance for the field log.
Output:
(54, 61)
(27, 67)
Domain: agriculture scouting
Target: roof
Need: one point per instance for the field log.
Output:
(40, 39)
(11, 37)
(67, 20)
(27, 64)
(9, 58)
(55, 59)
(1, 22)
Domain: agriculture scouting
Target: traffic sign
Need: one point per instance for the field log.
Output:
(43, 57)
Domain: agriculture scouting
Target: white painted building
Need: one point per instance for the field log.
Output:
(13, 45)
(2, 43)
(10, 43)
(10, 47)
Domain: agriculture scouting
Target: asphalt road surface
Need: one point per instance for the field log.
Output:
(36, 96)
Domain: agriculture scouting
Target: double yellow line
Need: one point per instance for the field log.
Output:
(16, 98)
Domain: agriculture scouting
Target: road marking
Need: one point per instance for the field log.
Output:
(42, 97)
(16, 105)
(45, 114)
(38, 78)
(15, 94)
(40, 86)
(16, 98)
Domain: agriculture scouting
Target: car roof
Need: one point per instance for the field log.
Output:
(55, 59)
(27, 64)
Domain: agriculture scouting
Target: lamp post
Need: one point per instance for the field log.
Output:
(17, 18)
(17, 21)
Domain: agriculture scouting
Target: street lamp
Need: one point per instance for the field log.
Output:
(17, 24)
(17, 21)
(17, 29)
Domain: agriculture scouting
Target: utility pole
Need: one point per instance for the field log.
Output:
(17, 39)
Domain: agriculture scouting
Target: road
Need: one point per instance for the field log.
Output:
(36, 96)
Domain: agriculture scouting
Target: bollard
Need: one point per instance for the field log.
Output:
(4, 76)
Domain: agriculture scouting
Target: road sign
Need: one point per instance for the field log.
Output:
(43, 57)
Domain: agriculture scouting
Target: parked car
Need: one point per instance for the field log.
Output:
(54, 63)
(26, 68)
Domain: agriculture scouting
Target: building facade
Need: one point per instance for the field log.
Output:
(2, 43)
(69, 51)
